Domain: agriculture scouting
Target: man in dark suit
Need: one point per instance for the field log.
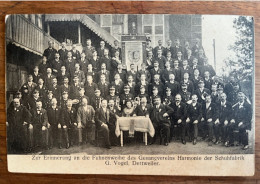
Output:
(143, 109)
(241, 120)
(104, 123)
(224, 115)
(39, 125)
(209, 116)
(168, 48)
(100, 51)
(159, 47)
(70, 64)
(194, 114)
(160, 116)
(32, 100)
(56, 64)
(161, 59)
(50, 52)
(55, 124)
(103, 86)
(18, 119)
(70, 125)
(86, 121)
(178, 118)
(106, 59)
(63, 52)
(75, 53)
(103, 71)
(201, 92)
(177, 48)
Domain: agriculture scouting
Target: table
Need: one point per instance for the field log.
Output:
(141, 124)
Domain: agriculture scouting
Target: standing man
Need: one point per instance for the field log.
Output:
(19, 131)
(89, 49)
(178, 118)
(63, 52)
(104, 123)
(194, 114)
(160, 116)
(50, 52)
(86, 121)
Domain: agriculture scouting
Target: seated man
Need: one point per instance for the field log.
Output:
(104, 123)
(85, 119)
(160, 118)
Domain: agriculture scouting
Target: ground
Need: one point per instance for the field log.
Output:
(137, 148)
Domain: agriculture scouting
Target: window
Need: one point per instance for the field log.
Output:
(153, 27)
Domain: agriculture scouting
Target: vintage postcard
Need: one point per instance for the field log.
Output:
(139, 94)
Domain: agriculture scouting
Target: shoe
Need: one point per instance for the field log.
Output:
(226, 144)
(194, 142)
(68, 145)
(216, 142)
(245, 147)
(183, 142)
(210, 143)
(166, 144)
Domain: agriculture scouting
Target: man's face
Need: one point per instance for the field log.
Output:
(63, 69)
(179, 54)
(16, 102)
(36, 95)
(160, 42)
(83, 55)
(201, 52)
(50, 44)
(41, 81)
(171, 77)
(206, 74)
(176, 63)
(201, 85)
(169, 42)
(89, 79)
(208, 99)
(82, 92)
(50, 95)
(54, 81)
(178, 98)
(119, 67)
(132, 67)
(44, 59)
(117, 77)
(76, 79)
(169, 55)
(102, 44)
(95, 54)
(223, 97)
(186, 76)
(142, 90)
(194, 99)
(97, 93)
(111, 103)
(167, 64)
(69, 104)
(69, 55)
(127, 90)
(185, 63)
(116, 43)
(130, 79)
(102, 78)
(57, 56)
(177, 42)
(63, 45)
(65, 96)
(129, 105)
(236, 87)
(88, 42)
(104, 104)
(106, 52)
(77, 66)
(213, 88)
(117, 54)
(240, 97)
(53, 102)
(90, 67)
(155, 91)
(112, 92)
(38, 105)
(48, 71)
(103, 66)
(168, 92)
(84, 102)
(30, 78)
(150, 54)
(159, 52)
(157, 101)
(142, 77)
(196, 72)
(195, 61)
(156, 64)
(36, 69)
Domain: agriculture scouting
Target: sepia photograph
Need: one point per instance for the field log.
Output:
(130, 84)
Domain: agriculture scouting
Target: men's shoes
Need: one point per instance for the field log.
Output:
(67, 146)
(183, 142)
(166, 144)
(245, 147)
(194, 142)
(210, 143)
(216, 142)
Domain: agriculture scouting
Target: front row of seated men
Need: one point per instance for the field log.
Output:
(68, 126)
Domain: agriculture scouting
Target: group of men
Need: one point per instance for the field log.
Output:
(73, 98)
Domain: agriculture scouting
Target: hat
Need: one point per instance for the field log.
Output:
(127, 87)
(201, 82)
(184, 85)
(112, 88)
(65, 92)
(49, 91)
(24, 87)
(35, 91)
(168, 89)
(155, 88)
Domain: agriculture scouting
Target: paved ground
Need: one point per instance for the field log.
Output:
(133, 147)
